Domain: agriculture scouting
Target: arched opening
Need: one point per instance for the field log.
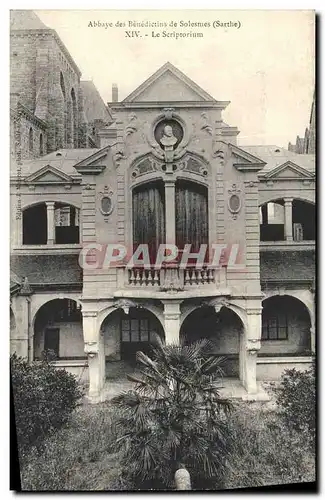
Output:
(41, 145)
(272, 221)
(285, 327)
(148, 210)
(66, 224)
(303, 220)
(31, 140)
(191, 209)
(125, 333)
(35, 225)
(58, 330)
(74, 131)
(224, 329)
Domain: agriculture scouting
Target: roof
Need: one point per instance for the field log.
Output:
(286, 266)
(178, 76)
(94, 106)
(47, 269)
(15, 282)
(25, 20)
(275, 156)
(62, 159)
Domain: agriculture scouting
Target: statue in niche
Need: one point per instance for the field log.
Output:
(168, 139)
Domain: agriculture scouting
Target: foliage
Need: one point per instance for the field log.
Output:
(44, 398)
(173, 418)
(263, 451)
(296, 398)
(76, 457)
(80, 456)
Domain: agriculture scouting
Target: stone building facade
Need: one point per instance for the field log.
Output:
(46, 94)
(168, 170)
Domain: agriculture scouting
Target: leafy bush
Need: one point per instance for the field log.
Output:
(44, 398)
(174, 418)
(262, 451)
(296, 398)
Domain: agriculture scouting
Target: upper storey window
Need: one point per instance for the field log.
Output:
(31, 140)
(50, 223)
(287, 219)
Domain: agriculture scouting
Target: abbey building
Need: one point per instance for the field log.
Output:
(91, 181)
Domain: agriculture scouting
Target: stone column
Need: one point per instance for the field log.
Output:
(288, 219)
(94, 348)
(172, 316)
(170, 211)
(250, 345)
(50, 223)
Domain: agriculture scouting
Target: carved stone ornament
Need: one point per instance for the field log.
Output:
(125, 305)
(91, 348)
(106, 202)
(234, 201)
(132, 125)
(205, 124)
(167, 136)
(253, 345)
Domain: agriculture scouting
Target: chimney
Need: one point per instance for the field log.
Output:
(114, 92)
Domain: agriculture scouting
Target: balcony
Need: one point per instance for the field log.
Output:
(173, 278)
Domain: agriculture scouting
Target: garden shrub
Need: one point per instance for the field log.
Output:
(44, 398)
(296, 398)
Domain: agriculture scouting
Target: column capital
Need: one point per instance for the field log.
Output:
(50, 204)
(288, 200)
(255, 311)
(89, 314)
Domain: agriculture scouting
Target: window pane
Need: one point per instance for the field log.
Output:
(144, 336)
(134, 336)
(282, 334)
(273, 333)
(125, 336)
(125, 325)
(144, 325)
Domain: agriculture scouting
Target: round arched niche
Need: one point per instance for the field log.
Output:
(170, 132)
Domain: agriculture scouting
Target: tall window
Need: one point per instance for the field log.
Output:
(65, 111)
(191, 208)
(74, 131)
(41, 147)
(274, 321)
(149, 217)
(31, 140)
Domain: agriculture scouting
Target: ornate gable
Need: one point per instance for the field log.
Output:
(244, 161)
(168, 84)
(49, 175)
(289, 171)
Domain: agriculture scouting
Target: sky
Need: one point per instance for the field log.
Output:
(265, 67)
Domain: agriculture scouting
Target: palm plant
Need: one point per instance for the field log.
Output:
(174, 418)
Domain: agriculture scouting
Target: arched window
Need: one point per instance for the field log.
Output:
(62, 85)
(74, 131)
(31, 140)
(41, 146)
(191, 209)
(149, 216)
(65, 111)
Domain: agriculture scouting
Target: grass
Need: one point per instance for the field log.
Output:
(79, 457)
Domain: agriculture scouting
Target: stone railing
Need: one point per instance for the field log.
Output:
(175, 278)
